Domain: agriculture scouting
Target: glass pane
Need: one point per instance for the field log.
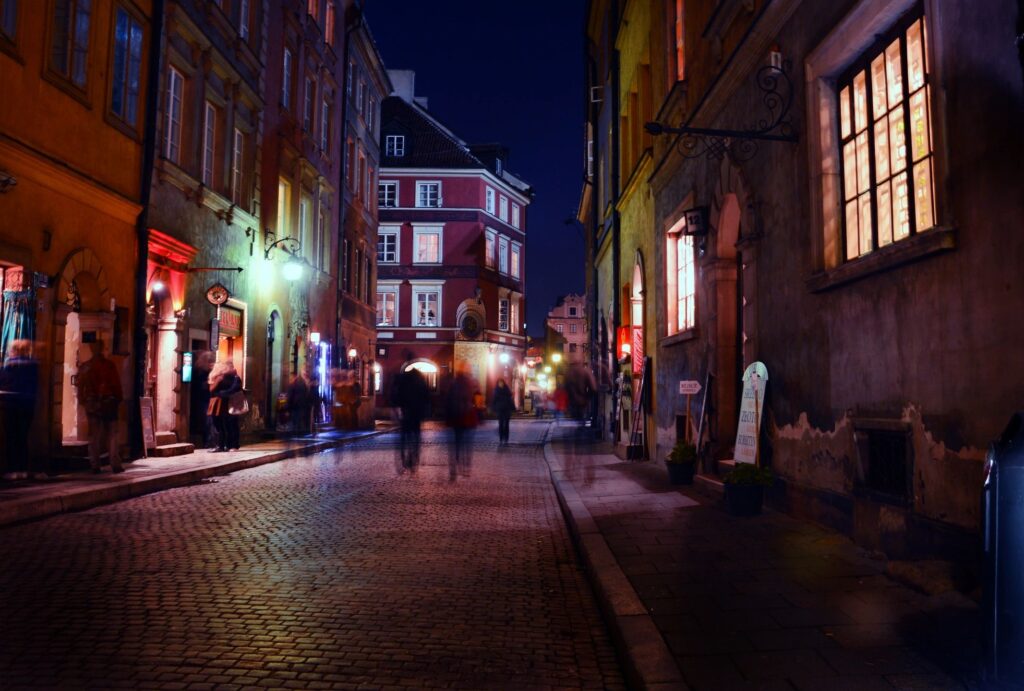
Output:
(860, 99)
(120, 62)
(894, 72)
(915, 56)
(850, 170)
(923, 195)
(863, 163)
(134, 67)
(844, 112)
(920, 141)
(852, 251)
(901, 207)
(884, 212)
(897, 140)
(865, 223)
(881, 149)
(878, 87)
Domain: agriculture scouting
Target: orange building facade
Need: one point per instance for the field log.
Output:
(70, 195)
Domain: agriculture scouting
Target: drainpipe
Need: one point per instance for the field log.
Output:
(153, 72)
(340, 349)
(616, 218)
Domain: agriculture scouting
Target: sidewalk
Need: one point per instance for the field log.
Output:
(28, 500)
(699, 599)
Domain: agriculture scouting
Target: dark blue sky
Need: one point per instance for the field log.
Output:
(508, 72)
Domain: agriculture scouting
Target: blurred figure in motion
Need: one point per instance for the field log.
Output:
(411, 396)
(99, 388)
(225, 383)
(503, 406)
(560, 397)
(461, 416)
(580, 388)
(298, 404)
(200, 421)
(19, 380)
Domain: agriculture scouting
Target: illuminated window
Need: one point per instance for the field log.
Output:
(503, 208)
(124, 93)
(680, 41)
(69, 47)
(426, 303)
(888, 190)
(394, 145)
(681, 280)
(490, 240)
(489, 200)
(284, 196)
(515, 215)
(306, 226)
(503, 255)
(427, 244)
(503, 310)
(515, 269)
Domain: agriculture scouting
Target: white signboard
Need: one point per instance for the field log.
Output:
(689, 387)
(755, 378)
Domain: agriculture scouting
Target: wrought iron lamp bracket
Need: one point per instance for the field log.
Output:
(742, 144)
(290, 246)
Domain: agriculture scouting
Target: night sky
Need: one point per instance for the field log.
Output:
(508, 72)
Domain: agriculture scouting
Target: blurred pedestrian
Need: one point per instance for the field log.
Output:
(503, 406)
(461, 416)
(410, 395)
(225, 383)
(298, 404)
(99, 389)
(19, 381)
(200, 421)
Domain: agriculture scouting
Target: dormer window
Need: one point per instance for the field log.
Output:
(394, 145)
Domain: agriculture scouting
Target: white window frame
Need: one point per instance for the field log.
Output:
(396, 232)
(503, 208)
(421, 186)
(559, 328)
(515, 265)
(503, 255)
(573, 328)
(489, 200)
(371, 114)
(490, 248)
(382, 186)
(394, 145)
(209, 143)
(325, 125)
(286, 79)
(514, 316)
(427, 287)
(175, 93)
(504, 312)
(388, 288)
(237, 167)
(419, 231)
(515, 215)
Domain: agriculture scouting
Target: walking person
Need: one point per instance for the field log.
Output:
(411, 395)
(462, 418)
(298, 404)
(200, 421)
(99, 389)
(19, 381)
(225, 383)
(503, 406)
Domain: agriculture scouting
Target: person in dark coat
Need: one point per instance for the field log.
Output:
(462, 418)
(503, 406)
(224, 383)
(19, 380)
(99, 389)
(411, 395)
(299, 404)
(200, 421)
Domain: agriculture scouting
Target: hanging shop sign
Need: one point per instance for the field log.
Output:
(217, 294)
(748, 432)
(230, 322)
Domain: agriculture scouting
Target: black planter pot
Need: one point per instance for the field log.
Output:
(744, 500)
(680, 473)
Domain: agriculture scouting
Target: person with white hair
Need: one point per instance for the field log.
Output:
(224, 383)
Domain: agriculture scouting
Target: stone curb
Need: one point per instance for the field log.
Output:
(77, 499)
(648, 661)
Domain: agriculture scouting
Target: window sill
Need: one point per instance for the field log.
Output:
(679, 337)
(933, 241)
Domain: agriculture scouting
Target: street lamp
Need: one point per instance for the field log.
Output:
(292, 270)
(556, 358)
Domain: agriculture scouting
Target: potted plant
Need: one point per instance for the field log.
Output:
(681, 463)
(744, 488)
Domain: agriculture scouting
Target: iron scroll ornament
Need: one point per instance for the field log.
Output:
(741, 145)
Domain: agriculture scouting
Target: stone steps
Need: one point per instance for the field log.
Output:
(175, 449)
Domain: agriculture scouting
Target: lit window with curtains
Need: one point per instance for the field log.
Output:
(69, 47)
(885, 133)
(124, 91)
(681, 280)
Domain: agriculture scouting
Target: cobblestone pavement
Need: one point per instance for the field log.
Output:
(322, 572)
(769, 602)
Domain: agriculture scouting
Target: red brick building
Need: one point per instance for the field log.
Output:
(451, 251)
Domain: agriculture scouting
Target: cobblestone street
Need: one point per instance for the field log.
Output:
(325, 572)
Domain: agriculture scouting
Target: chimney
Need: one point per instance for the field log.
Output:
(404, 83)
